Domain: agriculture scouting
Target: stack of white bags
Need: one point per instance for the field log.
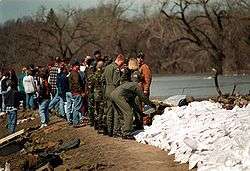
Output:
(203, 134)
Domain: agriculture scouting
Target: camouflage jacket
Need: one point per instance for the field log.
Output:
(90, 74)
(98, 83)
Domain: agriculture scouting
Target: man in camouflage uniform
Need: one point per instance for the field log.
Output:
(90, 72)
(111, 76)
(98, 97)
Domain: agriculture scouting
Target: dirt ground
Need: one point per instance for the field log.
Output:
(96, 152)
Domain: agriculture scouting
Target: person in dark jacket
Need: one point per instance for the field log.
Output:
(44, 100)
(63, 87)
(13, 78)
(11, 104)
(77, 90)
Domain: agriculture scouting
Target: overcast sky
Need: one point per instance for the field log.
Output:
(12, 9)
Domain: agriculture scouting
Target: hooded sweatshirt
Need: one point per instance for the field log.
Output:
(29, 84)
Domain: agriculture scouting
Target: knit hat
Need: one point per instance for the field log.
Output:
(140, 55)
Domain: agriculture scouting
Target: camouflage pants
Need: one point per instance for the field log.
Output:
(99, 115)
(91, 109)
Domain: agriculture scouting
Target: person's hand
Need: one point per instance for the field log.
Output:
(145, 92)
(153, 105)
(83, 94)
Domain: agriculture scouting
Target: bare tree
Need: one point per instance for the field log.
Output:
(204, 28)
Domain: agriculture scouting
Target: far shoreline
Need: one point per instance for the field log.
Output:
(198, 74)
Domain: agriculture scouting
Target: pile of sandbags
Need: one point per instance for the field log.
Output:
(203, 134)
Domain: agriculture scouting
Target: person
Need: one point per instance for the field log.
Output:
(44, 100)
(29, 88)
(21, 91)
(4, 86)
(37, 81)
(145, 73)
(62, 88)
(77, 91)
(111, 77)
(99, 123)
(69, 100)
(84, 108)
(13, 78)
(1, 99)
(11, 104)
(98, 56)
(123, 98)
(107, 60)
(89, 72)
(125, 74)
(53, 72)
(54, 69)
(136, 77)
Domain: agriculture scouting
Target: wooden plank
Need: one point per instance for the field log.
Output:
(46, 167)
(11, 136)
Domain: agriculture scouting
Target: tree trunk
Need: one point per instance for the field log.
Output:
(218, 61)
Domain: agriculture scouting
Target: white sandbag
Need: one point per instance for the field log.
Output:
(174, 100)
(190, 143)
(203, 134)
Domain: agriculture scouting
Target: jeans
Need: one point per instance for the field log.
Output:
(69, 99)
(58, 103)
(30, 100)
(22, 96)
(77, 105)
(54, 101)
(44, 111)
(12, 120)
(1, 103)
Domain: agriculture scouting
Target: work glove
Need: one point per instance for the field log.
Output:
(153, 106)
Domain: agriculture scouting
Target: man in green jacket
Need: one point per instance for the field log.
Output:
(111, 77)
(123, 98)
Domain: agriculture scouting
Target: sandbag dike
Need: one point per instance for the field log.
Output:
(203, 134)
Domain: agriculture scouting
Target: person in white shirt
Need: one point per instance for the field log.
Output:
(29, 88)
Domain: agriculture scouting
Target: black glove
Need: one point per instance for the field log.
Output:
(153, 105)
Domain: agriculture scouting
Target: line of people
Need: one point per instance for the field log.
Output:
(108, 95)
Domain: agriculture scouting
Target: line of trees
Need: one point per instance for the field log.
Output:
(179, 36)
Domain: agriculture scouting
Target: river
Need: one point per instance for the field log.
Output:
(197, 85)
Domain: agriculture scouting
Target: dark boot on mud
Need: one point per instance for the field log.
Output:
(91, 123)
(99, 131)
(110, 134)
(96, 126)
(117, 135)
(128, 136)
(105, 131)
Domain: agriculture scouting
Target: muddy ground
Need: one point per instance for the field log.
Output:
(96, 152)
